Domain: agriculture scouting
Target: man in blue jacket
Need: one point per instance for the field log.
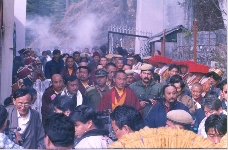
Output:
(55, 65)
(157, 116)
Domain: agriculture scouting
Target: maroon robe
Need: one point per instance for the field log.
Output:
(81, 88)
(65, 73)
(131, 99)
(46, 100)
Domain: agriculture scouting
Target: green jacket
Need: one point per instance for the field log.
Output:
(93, 97)
(145, 93)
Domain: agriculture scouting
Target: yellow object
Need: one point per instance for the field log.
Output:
(165, 138)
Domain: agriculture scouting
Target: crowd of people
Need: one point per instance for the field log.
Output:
(133, 92)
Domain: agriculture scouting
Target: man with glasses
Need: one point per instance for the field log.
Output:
(21, 115)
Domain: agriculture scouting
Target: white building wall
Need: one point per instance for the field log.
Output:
(156, 15)
(20, 20)
(7, 53)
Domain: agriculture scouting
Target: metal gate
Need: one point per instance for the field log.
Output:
(125, 37)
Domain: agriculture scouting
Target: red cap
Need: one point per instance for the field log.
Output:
(23, 72)
(198, 68)
(29, 60)
(162, 59)
(152, 61)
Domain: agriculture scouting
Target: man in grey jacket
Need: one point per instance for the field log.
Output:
(21, 115)
(146, 89)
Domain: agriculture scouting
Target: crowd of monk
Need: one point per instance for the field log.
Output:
(153, 91)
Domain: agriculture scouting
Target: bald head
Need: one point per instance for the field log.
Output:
(55, 76)
(197, 90)
(57, 82)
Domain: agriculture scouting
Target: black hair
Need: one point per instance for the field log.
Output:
(84, 67)
(60, 130)
(103, 48)
(70, 79)
(213, 103)
(3, 114)
(214, 75)
(172, 66)
(119, 71)
(49, 52)
(217, 122)
(109, 64)
(44, 53)
(63, 102)
(8, 101)
(166, 86)
(76, 52)
(211, 94)
(20, 93)
(159, 52)
(56, 51)
(138, 58)
(156, 77)
(83, 113)
(64, 54)
(127, 115)
(177, 79)
(69, 58)
(32, 92)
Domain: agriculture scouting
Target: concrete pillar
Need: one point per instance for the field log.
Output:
(20, 20)
(7, 52)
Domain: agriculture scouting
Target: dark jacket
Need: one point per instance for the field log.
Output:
(34, 132)
(157, 116)
(53, 67)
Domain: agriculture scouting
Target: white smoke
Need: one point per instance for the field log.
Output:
(79, 35)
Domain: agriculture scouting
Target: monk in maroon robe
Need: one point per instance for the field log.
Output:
(50, 93)
(119, 94)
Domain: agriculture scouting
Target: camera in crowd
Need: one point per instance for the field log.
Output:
(105, 117)
(10, 132)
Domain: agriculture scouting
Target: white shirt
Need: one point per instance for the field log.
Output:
(79, 95)
(23, 121)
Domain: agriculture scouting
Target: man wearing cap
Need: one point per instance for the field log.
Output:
(130, 61)
(130, 77)
(95, 92)
(215, 77)
(179, 118)
(119, 94)
(55, 65)
(109, 57)
(146, 88)
(196, 73)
